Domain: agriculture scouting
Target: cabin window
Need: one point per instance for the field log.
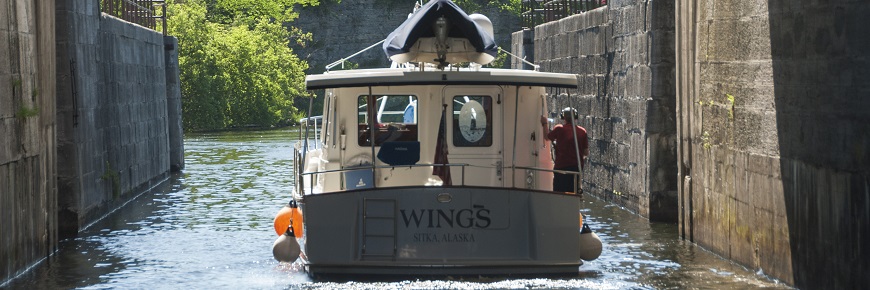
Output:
(396, 118)
(472, 121)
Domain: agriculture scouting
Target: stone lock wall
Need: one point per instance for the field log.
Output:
(85, 107)
(113, 113)
(624, 58)
(28, 196)
(774, 136)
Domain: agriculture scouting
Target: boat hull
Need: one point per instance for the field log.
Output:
(442, 231)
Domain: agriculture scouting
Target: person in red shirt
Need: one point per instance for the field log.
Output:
(567, 151)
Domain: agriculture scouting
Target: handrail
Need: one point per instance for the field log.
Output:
(381, 167)
(341, 61)
(136, 11)
(311, 185)
(536, 12)
(535, 66)
(547, 170)
(577, 174)
(298, 182)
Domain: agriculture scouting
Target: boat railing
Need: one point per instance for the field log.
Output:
(537, 12)
(578, 175)
(298, 165)
(533, 65)
(300, 185)
(341, 61)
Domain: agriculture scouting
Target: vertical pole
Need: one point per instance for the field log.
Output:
(164, 18)
(305, 148)
(326, 122)
(576, 146)
(372, 130)
(516, 116)
(151, 13)
(308, 119)
(134, 12)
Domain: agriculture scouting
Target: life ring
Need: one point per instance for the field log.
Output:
(358, 160)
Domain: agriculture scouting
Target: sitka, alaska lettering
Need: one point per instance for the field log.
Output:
(443, 238)
(478, 217)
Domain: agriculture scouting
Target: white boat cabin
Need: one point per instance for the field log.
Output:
(493, 133)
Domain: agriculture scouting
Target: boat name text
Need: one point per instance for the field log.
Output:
(478, 217)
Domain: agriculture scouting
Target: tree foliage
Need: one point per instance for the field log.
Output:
(237, 68)
(475, 6)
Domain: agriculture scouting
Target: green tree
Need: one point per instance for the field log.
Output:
(202, 107)
(475, 6)
(260, 75)
(237, 67)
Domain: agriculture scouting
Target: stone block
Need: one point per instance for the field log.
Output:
(735, 40)
(592, 44)
(778, 263)
(570, 23)
(660, 117)
(5, 13)
(599, 34)
(743, 231)
(637, 18)
(24, 54)
(662, 158)
(663, 82)
(7, 99)
(21, 18)
(30, 137)
(574, 43)
(662, 47)
(6, 54)
(619, 64)
(641, 48)
(720, 172)
(662, 15)
(762, 194)
(10, 146)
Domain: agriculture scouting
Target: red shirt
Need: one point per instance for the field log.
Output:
(566, 156)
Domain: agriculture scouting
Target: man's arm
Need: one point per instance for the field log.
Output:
(546, 127)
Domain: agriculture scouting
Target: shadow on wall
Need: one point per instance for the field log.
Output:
(822, 96)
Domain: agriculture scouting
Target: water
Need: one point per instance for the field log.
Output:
(211, 227)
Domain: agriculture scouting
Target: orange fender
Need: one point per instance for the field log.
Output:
(289, 216)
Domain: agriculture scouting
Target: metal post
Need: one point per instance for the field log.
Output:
(516, 116)
(576, 146)
(371, 111)
(308, 118)
(326, 122)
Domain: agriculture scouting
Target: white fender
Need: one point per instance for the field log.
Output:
(590, 244)
(286, 248)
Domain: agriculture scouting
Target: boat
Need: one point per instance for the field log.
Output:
(430, 167)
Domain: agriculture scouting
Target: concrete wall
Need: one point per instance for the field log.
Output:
(28, 196)
(774, 136)
(623, 55)
(173, 104)
(341, 29)
(113, 133)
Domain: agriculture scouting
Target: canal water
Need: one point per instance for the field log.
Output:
(211, 227)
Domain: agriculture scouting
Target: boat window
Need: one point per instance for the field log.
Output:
(472, 121)
(396, 119)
